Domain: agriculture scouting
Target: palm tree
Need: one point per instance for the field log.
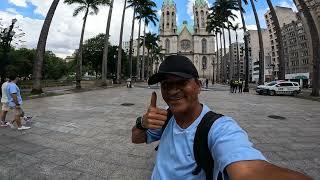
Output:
(106, 45)
(275, 21)
(151, 40)
(138, 52)
(230, 57)
(139, 6)
(120, 44)
(246, 84)
(38, 64)
(220, 16)
(315, 41)
(86, 6)
(235, 28)
(148, 15)
(261, 49)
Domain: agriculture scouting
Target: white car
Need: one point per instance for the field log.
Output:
(279, 87)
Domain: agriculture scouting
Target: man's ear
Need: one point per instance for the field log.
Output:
(198, 82)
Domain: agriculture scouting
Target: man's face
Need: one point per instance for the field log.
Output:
(180, 94)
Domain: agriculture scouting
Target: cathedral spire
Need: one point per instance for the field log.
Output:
(168, 3)
(200, 3)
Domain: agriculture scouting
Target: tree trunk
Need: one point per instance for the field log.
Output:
(222, 62)
(120, 44)
(238, 59)
(79, 54)
(315, 41)
(230, 57)
(225, 74)
(143, 51)
(131, 41)
(246, 85)
(138, 52)
(217, 55)
(261, 49)
(106, 45)
(38, 64)
(274, 18)
(148, 63)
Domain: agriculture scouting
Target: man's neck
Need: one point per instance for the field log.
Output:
(185, 119)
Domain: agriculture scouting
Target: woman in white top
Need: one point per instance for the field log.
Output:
(4, 102)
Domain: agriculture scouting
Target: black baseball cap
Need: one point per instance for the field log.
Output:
(175, 65)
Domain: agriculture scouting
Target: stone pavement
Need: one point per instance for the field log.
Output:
(88, 135)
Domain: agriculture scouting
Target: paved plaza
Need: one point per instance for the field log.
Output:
(87, 135)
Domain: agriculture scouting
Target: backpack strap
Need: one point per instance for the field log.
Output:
(201, 150)
(169, 115)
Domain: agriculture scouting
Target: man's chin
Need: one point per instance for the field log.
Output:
(177, 107)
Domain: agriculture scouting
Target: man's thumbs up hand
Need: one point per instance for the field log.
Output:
(155, 117)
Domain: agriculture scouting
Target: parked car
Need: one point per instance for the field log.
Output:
(279, 87)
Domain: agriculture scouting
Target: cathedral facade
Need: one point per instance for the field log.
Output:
(192, 41)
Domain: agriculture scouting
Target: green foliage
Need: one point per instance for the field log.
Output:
(21, 62)
(92, 57)
(54, 67)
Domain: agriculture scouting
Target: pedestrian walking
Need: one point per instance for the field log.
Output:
(196, 143)
(4, 103)
(236, 83)
(207, 83)
(240, 86)
(231, 85)
(15, 102)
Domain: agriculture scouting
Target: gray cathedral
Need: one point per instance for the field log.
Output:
(192, 41)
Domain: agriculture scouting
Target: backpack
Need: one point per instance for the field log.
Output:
(201, 150)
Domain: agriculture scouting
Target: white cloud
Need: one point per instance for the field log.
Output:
(288, 4)
(12, 10)
(64, 34)
(252, 27)
(21, 3)
(190, 7)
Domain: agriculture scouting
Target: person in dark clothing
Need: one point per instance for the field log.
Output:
(240, 84)
(207, 83)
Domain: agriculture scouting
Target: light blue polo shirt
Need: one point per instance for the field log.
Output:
(228, 143)
(12, 88)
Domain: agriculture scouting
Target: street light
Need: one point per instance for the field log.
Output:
(6, 36)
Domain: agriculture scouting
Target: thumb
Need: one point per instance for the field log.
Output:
(153, 102)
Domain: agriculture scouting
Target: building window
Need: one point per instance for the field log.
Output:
(204, 46)
(167, 46)
(204, 62)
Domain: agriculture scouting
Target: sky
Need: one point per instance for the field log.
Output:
(64, 34)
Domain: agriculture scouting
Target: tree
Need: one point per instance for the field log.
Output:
(106, 45)
(120, 43)
(37, 67)
(261, 49)
(148, 15)
(151, 40)
(93, 52)
(213, 27)
(84, 6)
(220, 16)
(235, 28)
(275, 21)
(139, 6)
(315, 41)
(246, 84)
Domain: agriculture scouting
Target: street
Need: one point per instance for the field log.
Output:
(88, 135)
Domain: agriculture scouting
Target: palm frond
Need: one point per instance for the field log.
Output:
(79, 10)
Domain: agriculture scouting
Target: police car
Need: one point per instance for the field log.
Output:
(279, 87)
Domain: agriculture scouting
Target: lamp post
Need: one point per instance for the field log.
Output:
(212, 71)
(6, 36)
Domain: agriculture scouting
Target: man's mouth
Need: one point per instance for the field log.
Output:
(175, 98)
